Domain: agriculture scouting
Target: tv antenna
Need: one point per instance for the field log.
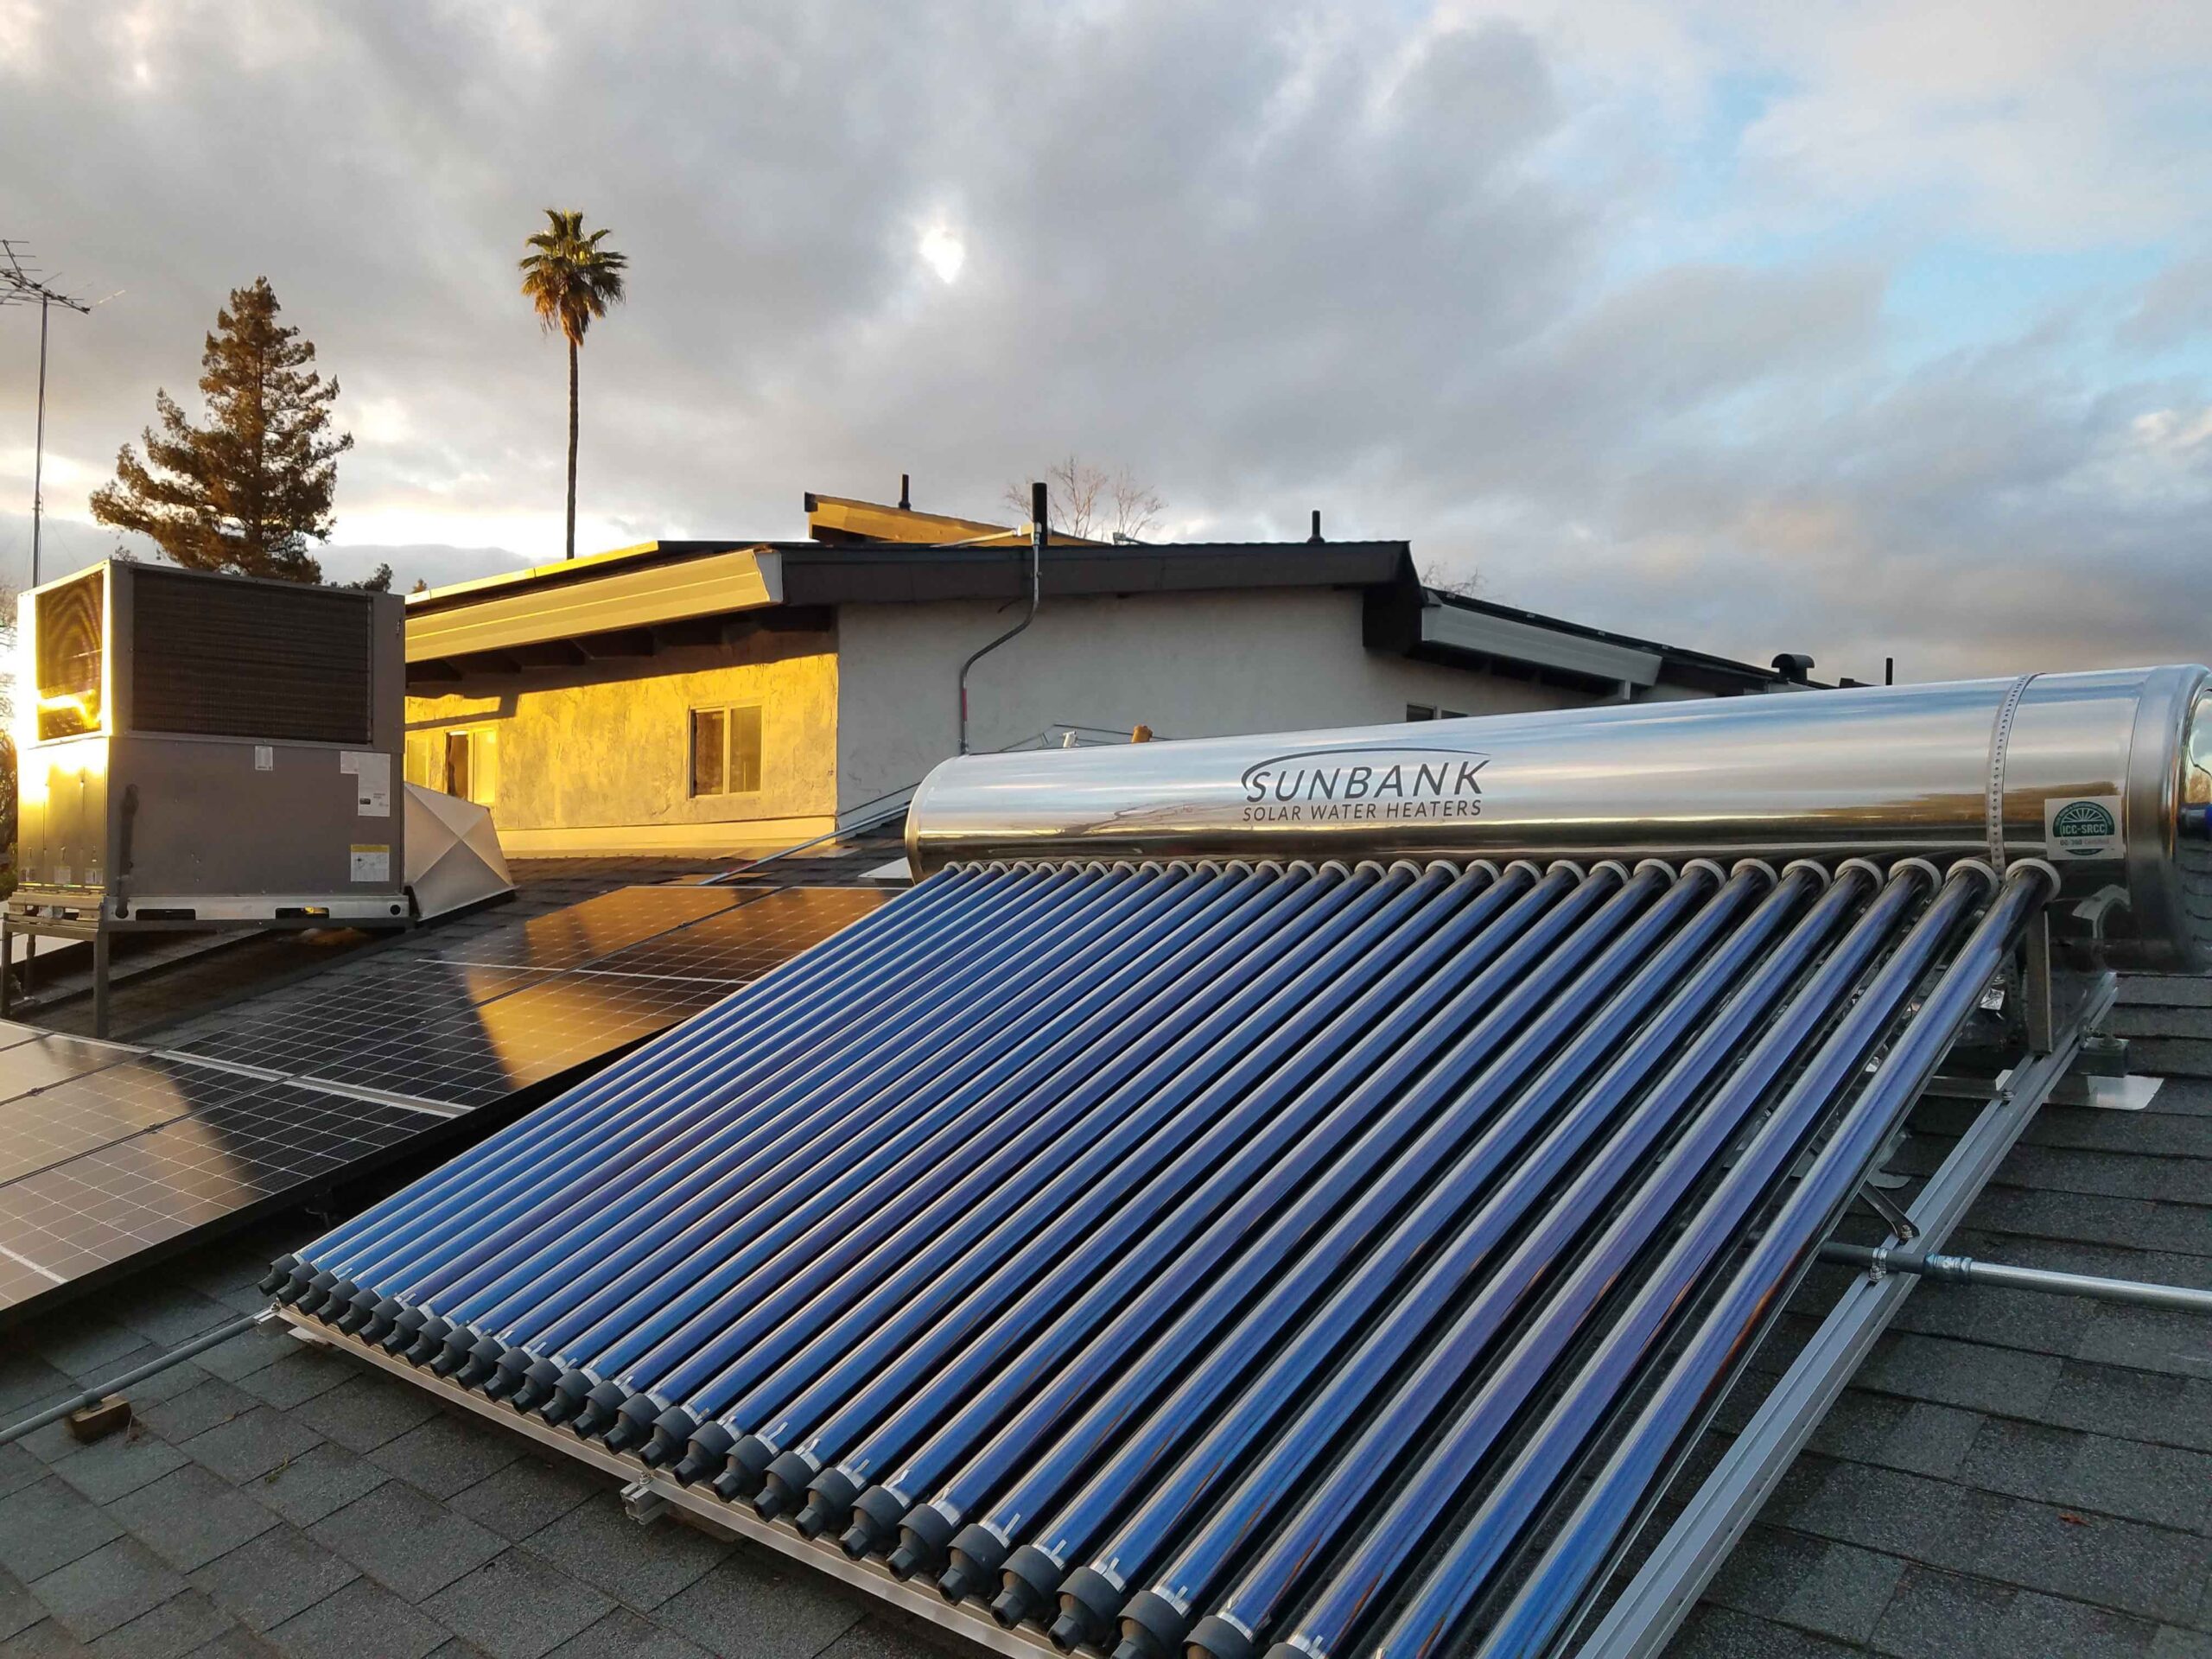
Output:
(22, 282)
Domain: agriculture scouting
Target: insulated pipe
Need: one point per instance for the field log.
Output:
(1076, 1107)
(1327, 1516)
(1408, 1527)
(1014, 1113)
(1555, 1588)
(1200, 1102)
(2108, 774)
(1565, 1039)
(1298, 1073)
(1366, 1114)
(1692, 968)
(1970, 1270)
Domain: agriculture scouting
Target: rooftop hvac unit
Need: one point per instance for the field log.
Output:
(200, 750)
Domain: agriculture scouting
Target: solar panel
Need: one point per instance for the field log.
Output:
(738, 946)
(577, 934)
(106, 1150)
(246, 1141)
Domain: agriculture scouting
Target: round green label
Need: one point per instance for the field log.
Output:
(2082, 821)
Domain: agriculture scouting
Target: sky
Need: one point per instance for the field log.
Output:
(1877, 330)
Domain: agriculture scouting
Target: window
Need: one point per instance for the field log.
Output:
(457, 768)
(472, 766)
(726, 750)
(1420, 711)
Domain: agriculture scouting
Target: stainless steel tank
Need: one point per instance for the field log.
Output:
(2106, 774)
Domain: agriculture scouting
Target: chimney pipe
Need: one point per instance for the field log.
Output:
(1316, 536)
(905, 504)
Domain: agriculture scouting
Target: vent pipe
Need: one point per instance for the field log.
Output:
(1037, 534)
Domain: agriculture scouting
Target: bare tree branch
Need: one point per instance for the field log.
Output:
(1090, 502)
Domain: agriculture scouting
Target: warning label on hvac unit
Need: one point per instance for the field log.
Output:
(2084, 826)
(372, 863)
(371, 771)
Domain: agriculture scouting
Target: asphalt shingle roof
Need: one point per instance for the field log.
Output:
(2010, 1474)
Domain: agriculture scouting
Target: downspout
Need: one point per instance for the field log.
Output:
(1037, 533)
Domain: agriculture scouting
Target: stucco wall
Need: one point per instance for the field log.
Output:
(1186, 665)
(598, 758)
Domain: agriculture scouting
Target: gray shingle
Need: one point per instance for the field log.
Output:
(197, 1410)
(643, 1566)
(46, 1640)
(180, 1626)
(362, 1621)
(2151, 1572)
(2132, 1404)
(171, 1314)
(316, 1483)
(82, 1342)
(189, 1516)
(27, 1381)
(364, 1414)
(19, 1609)
(1938, 1615)
(297, 1377)
(267, 1580)
(1970, 1375)
(110, 1587)
(745, 1606)
(2150, 1339)
(2171, 1642)
(2038, 1623)
(250, 1446)
(625, 1635)
(108, 1469)
(1842, 1592)
(406, 1541)
(248, 1351)
(518, 1606)
(527, 1495)
(447, 1453)
(49, 1525)
(1713, 1632)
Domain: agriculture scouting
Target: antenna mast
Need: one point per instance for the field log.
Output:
(22, 282)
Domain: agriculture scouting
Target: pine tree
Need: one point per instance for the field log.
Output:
(248, 490)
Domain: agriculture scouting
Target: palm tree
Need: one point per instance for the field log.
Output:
(571, 280)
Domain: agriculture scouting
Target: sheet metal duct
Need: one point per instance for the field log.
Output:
(1231, 1255)
(2108, 774)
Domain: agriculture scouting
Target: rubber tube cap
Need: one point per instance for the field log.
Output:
(875, 1519)
(514, 1366)
(671, 1435)
(280, 1270)
(484, 1357)
(317, 1292)
(429, 1336)
(1029, 1579)
(924, 1543)
(1088, 1603)
(979, 1555)
(537, 1385)
(1215, 1636)
(602, 1409)
(358, 1309)
(382, 1317)
(704, 1453)
(568, 1395)
(746, 1468)
(296, 1284)
(405, 1329)
(791, 1480)
(453, 1353)
(1151, 1624)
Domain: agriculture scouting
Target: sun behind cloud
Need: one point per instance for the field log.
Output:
(942, 252)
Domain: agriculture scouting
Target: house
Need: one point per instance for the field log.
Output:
(733, 695)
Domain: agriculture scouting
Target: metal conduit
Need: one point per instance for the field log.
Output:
(1176, 1256)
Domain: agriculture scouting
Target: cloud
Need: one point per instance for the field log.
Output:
(1598, 299)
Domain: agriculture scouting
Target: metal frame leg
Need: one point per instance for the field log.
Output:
(99, 982)
(7, 963)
